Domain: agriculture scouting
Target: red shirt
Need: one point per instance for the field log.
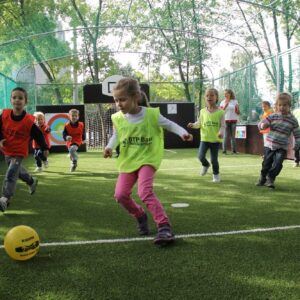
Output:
(16, 134)
(46, 133)
(76, 133)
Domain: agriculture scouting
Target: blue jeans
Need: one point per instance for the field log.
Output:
(15, 170)
(39, 157)
(272, 163)
(214, 150)
(230, 129)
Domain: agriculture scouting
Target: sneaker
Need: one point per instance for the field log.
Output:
(38, 169)
(261, 181)
(3, 203)
(270, 183)
(234, 152)
(296, 165)
(46, 163)
(164, 235)
(224, 152)
(204, 170)
(33, 186)
(216, 178)
(73, 167)
(143, 225)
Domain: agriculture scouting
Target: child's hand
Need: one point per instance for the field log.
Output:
(68, 138)
(2, 143)
(83, 142)
(107, 152)
(190, 125)
(187, 137)
(220, 135)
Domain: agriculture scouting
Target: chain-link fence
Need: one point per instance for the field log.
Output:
(6, 85)
(262, 81)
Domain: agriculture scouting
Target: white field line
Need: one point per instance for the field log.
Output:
(179, 236)
(196, 168)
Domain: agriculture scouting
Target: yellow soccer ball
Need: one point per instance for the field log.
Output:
(21, 242)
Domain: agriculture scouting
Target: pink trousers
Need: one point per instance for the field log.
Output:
(144, 176)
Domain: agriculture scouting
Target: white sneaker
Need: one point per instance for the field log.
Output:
(296, 165)
(46, 163)
(204, 170)
(38, 169)
(216, 178)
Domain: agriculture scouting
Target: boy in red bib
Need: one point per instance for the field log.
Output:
(38, 153)
(74, 135)
(16, 129)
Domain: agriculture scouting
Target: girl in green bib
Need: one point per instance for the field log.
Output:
(138, 131)
(212, 126)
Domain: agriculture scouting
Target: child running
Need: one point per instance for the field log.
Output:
(16, 129)
(211, 122)
(282, 123)
(74, 135)
(138, 131)
(39, 156)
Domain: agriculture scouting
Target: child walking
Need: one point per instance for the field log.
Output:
(39, 156)
(16, 129)
(74, 135)
(282, 123)
(211, 122)
(138, 131)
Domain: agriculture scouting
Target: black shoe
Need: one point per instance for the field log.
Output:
(73, 166)
(224, 152)
(270, 183)
(143, 225)
(234, 152)
(261, 181)
(164, 235)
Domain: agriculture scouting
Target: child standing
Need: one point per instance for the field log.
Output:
(74, 135)
(281, 124)
(39, 156)
(231, 107)
(212, 126)
(16, 129)
(138, 131)
(267, 110)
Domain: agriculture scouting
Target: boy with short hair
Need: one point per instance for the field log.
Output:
(74, 135)
(16, 129)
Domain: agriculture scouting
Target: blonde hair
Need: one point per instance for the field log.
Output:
(215, 91)
(38, 114)
(284, 97)
(231, 93)
(129, 86)
(73, 110)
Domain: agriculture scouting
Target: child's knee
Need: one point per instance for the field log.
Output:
(121, 196)
(145, 193)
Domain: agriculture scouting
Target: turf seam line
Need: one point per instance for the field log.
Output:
(179, 236)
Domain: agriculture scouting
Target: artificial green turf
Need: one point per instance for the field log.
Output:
(80, 206)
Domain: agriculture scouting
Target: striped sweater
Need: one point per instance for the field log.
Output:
(281, 127)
